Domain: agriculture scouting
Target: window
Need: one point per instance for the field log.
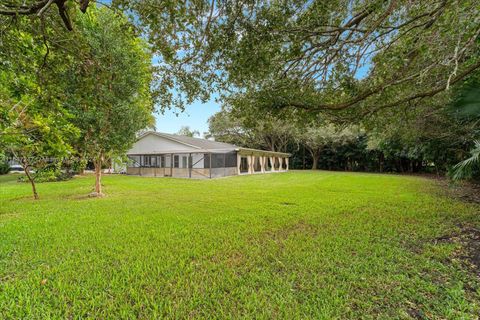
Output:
(231, 159)
(162, 161)
(147, 161)
(243, 164)
(150, 161)
(134, 161)
(184, 162)
(175, 161)
(257, 165)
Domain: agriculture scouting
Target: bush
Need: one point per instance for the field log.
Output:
(47, 176)
(79, 166)
(4, 168)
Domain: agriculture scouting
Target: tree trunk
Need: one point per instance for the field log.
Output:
(81, 170)
(303, 157)
(437, 171)
(315, 162)
(381, 159)
(30, 178)
(98, 177)
(398, 165)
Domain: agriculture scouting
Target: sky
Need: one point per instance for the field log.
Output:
(195, 116)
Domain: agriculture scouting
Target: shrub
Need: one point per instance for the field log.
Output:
(79, 166)
(4, 168)
(50, 175)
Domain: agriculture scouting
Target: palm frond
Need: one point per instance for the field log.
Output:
(464, 169)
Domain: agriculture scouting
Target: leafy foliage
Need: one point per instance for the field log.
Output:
(4, 167)
(66, 95)
(108, 86)
(47, 175)
(318, 138)
(250, 128)
(304, 54)
(186, 131)
(34, 125)
(465, 169)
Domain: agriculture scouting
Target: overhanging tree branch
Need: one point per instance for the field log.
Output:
(40, 7)
(428, 93)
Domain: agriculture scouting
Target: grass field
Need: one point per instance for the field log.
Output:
(317, 245)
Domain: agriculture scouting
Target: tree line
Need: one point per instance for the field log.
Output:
(434, 137)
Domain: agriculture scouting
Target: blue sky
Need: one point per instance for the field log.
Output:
(195, 116)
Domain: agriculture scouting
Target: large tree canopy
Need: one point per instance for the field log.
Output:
(173, 28)
(340, 54)
(34, 126)
(306, 54)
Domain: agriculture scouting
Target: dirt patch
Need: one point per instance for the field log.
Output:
(416, 314)
(469, 240)
(468, 192)
(78, 197)
(464, 191)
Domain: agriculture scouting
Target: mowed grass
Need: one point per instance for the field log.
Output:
(317, 245)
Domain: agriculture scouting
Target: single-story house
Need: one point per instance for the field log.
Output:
(169, 155)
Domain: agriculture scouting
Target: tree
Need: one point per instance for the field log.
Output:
(435, 133)
(34, 126)
(253, 130)
(185, 131)
(39, 8)
(225, 127)
(318, 55)
(318, 137)
(311, 55)
(174, 36)
(109, 88)
(36, 140)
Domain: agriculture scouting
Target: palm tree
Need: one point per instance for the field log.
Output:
(464, 169)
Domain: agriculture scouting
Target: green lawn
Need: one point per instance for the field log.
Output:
(316, 245)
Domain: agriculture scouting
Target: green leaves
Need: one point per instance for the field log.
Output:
(86, 92)
(108, 84)
(465, 168)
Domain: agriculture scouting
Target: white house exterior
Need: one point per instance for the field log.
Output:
(167, 155)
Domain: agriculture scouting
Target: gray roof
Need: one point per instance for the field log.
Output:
(196, 142)
(204, 145)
